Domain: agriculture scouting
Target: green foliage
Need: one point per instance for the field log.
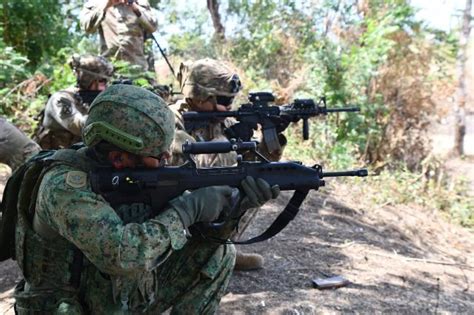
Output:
(12, 68)
(377, 57)
(450, 195)
(193, 40)
(28, 26)
(322, 146)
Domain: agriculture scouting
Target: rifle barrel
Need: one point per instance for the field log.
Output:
(359, 173)
(343, 109)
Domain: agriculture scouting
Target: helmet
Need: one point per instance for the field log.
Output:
(90, 68)
(208, 78)
(131, 118)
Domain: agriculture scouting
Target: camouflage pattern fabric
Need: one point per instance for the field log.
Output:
(15, 146)
(137, 112)
(63, 120)
(204, 80)
(88, 68)
(214, 132)
(136, 267)
(121, 31)
(131, 263)
(207, 78)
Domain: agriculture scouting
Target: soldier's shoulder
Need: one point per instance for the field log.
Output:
(63, 95)
(178, 109)
(64, 177)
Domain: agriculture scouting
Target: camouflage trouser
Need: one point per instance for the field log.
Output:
(192, 283)
(15, 147)
(189, 282)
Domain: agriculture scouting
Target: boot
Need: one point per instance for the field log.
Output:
(245, 261)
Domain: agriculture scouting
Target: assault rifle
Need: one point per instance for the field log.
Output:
(272, 119)
(156, 187)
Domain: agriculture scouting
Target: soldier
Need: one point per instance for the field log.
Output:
(66, 111)
(79, 255)
(15, 146)
(122, 27)
(210, 85)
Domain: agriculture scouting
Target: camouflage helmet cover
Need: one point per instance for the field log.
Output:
(131, 118)
(89, 68)
(208, 77)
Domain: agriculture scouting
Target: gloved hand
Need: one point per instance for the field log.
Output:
(257, 192)
(202, 205)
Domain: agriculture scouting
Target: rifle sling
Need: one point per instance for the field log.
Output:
(288, 214)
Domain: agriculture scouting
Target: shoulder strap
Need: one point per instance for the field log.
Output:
(287, 215)
(26, 179)
(9, 204)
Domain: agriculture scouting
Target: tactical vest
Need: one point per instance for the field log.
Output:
(56, 274)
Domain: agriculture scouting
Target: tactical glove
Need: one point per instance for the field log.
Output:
(202, 205)
(257, 192)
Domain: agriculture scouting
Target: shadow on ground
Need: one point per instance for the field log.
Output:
(329, 238)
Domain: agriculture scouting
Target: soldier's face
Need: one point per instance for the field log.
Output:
(98, 85)
(209, 106)
(121, 160)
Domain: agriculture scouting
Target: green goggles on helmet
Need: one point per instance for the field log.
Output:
(101, 130)
(224, 100)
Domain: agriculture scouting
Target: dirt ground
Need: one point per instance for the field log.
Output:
(399, 259)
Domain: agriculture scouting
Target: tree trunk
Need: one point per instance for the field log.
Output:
(213, 6)
(460, 111)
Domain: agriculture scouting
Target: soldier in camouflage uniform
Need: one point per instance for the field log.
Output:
(79, 255)
(15, 146)
(122, 27)
(211, 85)
(66, 111)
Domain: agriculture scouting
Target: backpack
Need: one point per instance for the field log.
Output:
(28, 174)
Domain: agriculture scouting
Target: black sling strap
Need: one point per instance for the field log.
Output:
(288, 214)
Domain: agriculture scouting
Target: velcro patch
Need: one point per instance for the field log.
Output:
(76, 179)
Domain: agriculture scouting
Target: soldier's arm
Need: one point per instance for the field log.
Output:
(61, 108)
(92, 15)
(67, 204)
(15, 146)
(146, 18)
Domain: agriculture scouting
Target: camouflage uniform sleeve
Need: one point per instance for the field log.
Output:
(15, 146)
(67, 204)
(61, 108)
(92, 15)
(147, 18)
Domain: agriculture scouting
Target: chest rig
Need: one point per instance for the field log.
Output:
(53, 267)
